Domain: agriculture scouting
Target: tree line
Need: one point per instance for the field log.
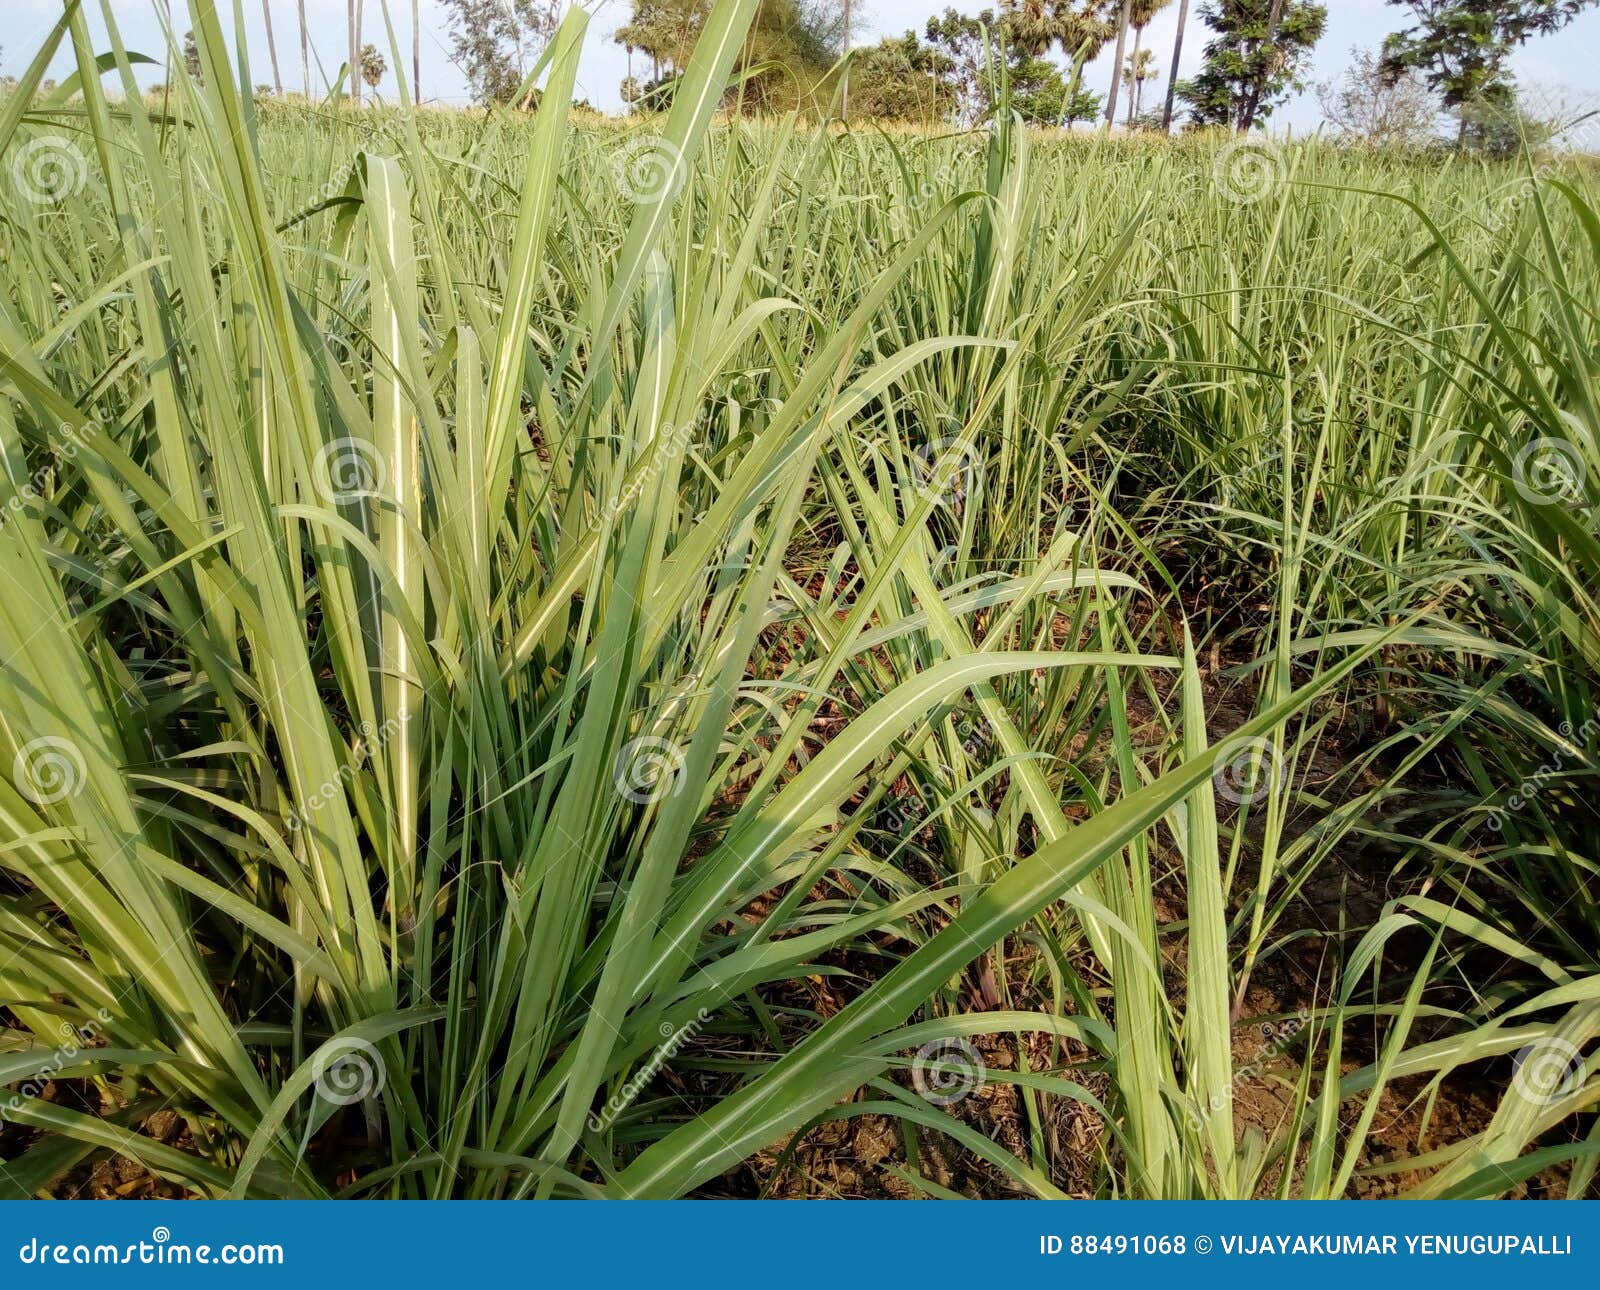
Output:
(1450, 56)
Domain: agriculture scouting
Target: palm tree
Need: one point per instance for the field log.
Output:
(1029, 25)
(272, 49)
(191, 57)
(373, 65)
(1177, 53)
(1140, 16)
(1123, 19)
(1033, 26)
(305, 53)
(1140, 68)
(353, 13)
(1137, 14)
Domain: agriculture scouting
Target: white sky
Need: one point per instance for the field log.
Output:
(1562, 64)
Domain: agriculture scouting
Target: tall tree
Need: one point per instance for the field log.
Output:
(1042, 95)
(844, 90)
(373, 65)
(305, 53)
(785, 58)
(1372, 107)
(793, 43)
(960, 38)
(1021, 34)
(1270, 44)
(665, 30)
(902, 79)
(1037, 26)
(353, 19)
(1123, 19)
(1463, 47)
(1141, 67)
(1025, 31)
(1177, 56)
(272, 48)
(495, 42)
(1256, 58)
(1140, 16)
